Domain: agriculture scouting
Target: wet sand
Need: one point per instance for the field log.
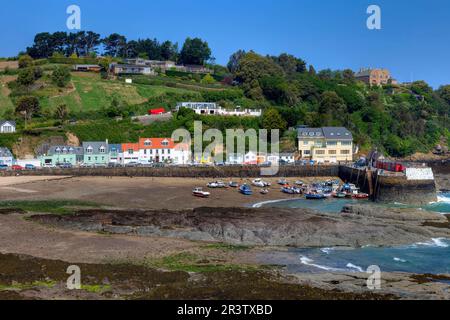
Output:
(139, 193)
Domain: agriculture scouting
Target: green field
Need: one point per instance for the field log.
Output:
(90, 93)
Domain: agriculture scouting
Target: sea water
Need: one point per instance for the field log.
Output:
(432, 256)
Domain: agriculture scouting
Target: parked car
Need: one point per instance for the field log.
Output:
(65, 165)
(132, 165)
(30, 167)
(16, 167)
(3, 167)
(114, 165)
(100, 165)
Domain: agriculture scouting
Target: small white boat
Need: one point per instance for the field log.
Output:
(216, 185)
(264, 191)
(198, 192)
(260, 183)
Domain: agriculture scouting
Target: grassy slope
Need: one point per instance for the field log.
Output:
(92, 93)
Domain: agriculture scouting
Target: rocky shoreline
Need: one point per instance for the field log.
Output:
(358, 225)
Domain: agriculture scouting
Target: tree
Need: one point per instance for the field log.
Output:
(25, 61)
(61, 112)
(27, 106)
(252, 69)
(208, 79)
(195, 51)
(290, 64)
(26, 77)
(444, 93)
(348, 74)
(272, 120)
(115, 44)
(235, 58)
(331, 105)
(312, 71)
(61, 76)
(169, 51)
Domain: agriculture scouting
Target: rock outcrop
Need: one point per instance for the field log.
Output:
(358, 225)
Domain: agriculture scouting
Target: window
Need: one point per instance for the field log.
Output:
(130, 151)
(102, 149)
(332, 152)
(89, 149)
(332, 143)
(165, 143)
(346, 143)
(307, 152)
(345, 152)
(89, 158)
(320, 152)
(147, 143)
(305, 143)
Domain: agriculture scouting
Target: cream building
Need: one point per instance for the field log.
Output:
(325, 145)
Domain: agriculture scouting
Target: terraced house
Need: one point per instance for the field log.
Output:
(6, 157)
(58, 155)
(325, 145)
(96, 153)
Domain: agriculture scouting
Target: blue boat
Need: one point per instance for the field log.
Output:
(315, 196)
(246, 190)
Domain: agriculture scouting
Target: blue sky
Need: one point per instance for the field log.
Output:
(414, 42)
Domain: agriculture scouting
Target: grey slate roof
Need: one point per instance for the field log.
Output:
(95, 145)
(65, 150)
(115, 148)
(332, 133)
(4, 152)
(2, 122)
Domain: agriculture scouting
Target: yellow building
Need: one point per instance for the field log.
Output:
(325, 145)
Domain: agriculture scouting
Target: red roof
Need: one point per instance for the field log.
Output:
(130, 146)
(157, 111)
(156, 143)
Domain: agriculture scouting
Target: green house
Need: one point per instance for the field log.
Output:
(58, 155)
(96, 153)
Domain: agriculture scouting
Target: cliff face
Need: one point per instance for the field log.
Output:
(357, 226)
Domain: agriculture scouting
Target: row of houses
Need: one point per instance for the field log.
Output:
(151, 67)
(211, 108)
(102, 153)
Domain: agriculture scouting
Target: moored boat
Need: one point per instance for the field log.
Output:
(233, 184)
(246, 190)
(360, 195)
(198, 192)
(315, 196)
(264, 191)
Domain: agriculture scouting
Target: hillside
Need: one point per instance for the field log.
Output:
(400, 120)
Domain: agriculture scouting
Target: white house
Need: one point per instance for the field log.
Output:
(6, 157)
(235, 158)
(182, 154)
(287, 157)
(7, 126)
(273, 158)
(251, 158)
(211, 108)
(130, 153)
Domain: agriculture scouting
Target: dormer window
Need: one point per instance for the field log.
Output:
(165, 143)
(58, 150)
(102, 149)
(147, 143)
(89, 149)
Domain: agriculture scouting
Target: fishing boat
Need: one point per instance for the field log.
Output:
(233, 184)
(315, 196)
(246, 190)
(299, 183)
(288, 190)
(264, 191)
(360, 195)
(340, 195)
(260, 183)
(198, 192)
(216, 185)
(282, 182)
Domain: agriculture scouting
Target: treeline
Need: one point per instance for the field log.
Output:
(90, 44)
